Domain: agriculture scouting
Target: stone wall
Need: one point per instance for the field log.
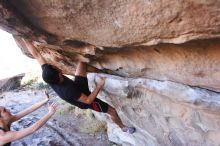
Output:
(164, 112)
(161, 59)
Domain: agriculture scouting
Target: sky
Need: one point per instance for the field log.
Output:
(12, 60)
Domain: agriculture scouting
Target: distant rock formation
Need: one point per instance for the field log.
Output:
(11, 83)
(164, 55)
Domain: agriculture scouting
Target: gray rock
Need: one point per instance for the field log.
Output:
(11, 83)
(164, 113)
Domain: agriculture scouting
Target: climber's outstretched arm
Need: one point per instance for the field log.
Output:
(33, 50)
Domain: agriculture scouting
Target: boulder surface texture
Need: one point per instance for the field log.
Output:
(161, 59)
(11, 83)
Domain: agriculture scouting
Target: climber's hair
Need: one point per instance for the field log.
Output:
(50, 74)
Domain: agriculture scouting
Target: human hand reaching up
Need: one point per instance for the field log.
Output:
(52, 108)
(101, 81)
(47, 95)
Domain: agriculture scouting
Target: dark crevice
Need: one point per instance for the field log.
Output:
(74, 43)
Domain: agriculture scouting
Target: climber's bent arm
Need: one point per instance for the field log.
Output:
(89, 99)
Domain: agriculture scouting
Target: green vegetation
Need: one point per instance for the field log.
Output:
(65, 108)
(42, 85)
(33, 79)
(86, 119)
(113, 144)
(90, 124)
(29, 79)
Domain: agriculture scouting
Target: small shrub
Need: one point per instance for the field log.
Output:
(41, 86)
(28, 82)
(29, 79)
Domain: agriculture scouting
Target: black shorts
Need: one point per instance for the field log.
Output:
(97, 104)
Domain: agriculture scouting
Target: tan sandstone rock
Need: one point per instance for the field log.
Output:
(120, 23)
(166, 52)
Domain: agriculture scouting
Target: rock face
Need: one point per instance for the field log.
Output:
(169, 91)
(164, 112)
(10, 83)
(120, 23)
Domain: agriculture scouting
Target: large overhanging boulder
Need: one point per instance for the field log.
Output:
(167, 50)
(112, 35)
(121, 23)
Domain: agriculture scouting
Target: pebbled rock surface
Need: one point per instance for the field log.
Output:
(121, 23)
(164, 56)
